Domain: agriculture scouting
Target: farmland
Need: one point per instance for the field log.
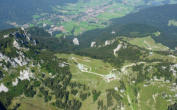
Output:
(82, 16)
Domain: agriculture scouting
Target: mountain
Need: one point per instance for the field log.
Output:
(27, 71)
(88, 55)
(115, 74)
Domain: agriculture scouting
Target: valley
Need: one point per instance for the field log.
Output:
(81, 16)
(74, 19)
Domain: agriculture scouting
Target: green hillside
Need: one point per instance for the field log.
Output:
(88, 55)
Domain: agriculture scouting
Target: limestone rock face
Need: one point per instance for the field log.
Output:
(3, 88)
(93, 44)
(75, 41)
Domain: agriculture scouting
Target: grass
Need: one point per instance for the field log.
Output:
(97, 66)
(147, 101)
(92, 81)
(148, 43)
(172, 23)
(148, 97)
(131, 99)
(88, 104)
(59, 35)
(163, 57)
(79, 27)
(36, 16)
(114, 12)
(35, 103)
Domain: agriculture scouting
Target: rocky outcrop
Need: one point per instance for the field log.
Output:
(117, 49)
(3, 88)
(25, 75)
(75, 41)
(93, 44)
(109, 42)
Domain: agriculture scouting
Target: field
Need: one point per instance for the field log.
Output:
(96, 66)
(85, 15)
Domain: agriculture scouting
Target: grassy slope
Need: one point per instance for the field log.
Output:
(35, 103)
(148, 43)
(145, 100)
(151, 97)
(93, 81)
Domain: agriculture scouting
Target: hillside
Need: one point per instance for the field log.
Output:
(129, 78)
(30, 75)
(115, 75)
(88, 55)
(162, 17)
(140, 24)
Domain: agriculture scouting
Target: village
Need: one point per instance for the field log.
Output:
(64, 20)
